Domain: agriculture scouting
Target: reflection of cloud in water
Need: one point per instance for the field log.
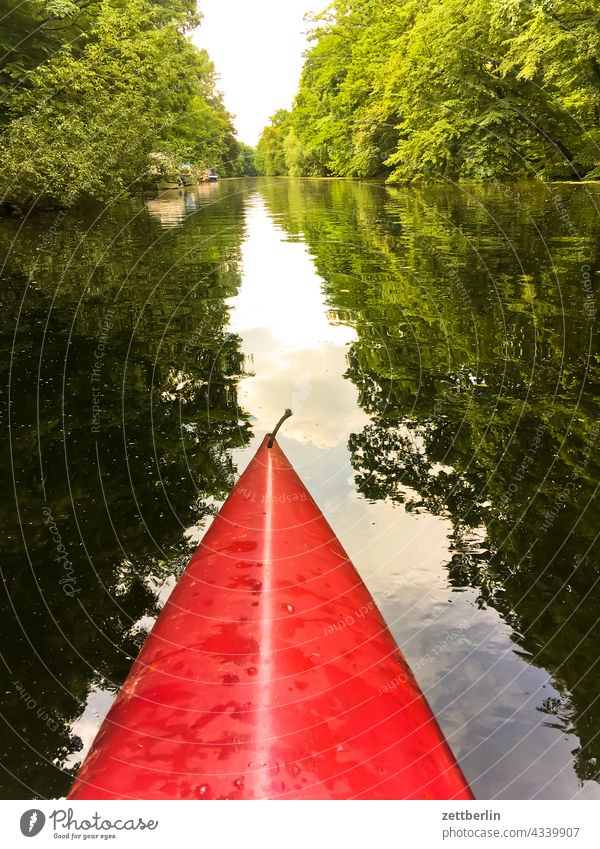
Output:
(298, 355)
(281, 290)
(308, 381)
(86, 726)
(172, 206)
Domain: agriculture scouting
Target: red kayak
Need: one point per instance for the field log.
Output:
(270, 673)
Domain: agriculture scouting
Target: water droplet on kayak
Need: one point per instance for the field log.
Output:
(203, 789)
(251, 670)
(239, 783)
(289, 608)
(293, 769)
(315, 657)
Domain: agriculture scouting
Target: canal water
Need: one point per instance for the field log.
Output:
(438, 347)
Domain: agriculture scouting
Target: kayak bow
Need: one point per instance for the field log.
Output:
(270, 673)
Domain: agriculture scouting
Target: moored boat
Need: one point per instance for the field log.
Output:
(208, 175)
(270, 673)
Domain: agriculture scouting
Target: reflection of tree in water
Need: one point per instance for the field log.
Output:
(479, 371)
(120, 498)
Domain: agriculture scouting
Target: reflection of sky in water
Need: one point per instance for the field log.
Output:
(297, 355)
(86, 725)
(172, 206)
(486, 697)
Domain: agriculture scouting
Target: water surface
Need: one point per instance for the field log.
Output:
(438, 348)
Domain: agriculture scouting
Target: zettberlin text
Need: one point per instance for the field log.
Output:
(471, 815)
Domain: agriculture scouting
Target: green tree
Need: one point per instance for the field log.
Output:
(245, 165)
(454, 89)
(270, 152)
(86, 113)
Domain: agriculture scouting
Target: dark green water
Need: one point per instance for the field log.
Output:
(439, 348)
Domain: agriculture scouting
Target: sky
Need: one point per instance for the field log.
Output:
(257, 47)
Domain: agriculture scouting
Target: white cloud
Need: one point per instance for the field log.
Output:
(297, 354)
(257, 48)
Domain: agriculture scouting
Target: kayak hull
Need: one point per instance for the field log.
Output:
(270, 673)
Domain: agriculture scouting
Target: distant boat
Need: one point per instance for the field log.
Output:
(208, 175)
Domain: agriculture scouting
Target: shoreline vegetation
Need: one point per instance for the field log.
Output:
(104, 97)
(469, 90)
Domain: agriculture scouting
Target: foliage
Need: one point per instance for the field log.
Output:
(87, 99)
(244, 165)
(116, 312)
(452, 89)
(477, 361)
(270, 154)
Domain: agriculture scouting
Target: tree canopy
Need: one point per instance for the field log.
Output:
(451, 89)
(90, 90)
